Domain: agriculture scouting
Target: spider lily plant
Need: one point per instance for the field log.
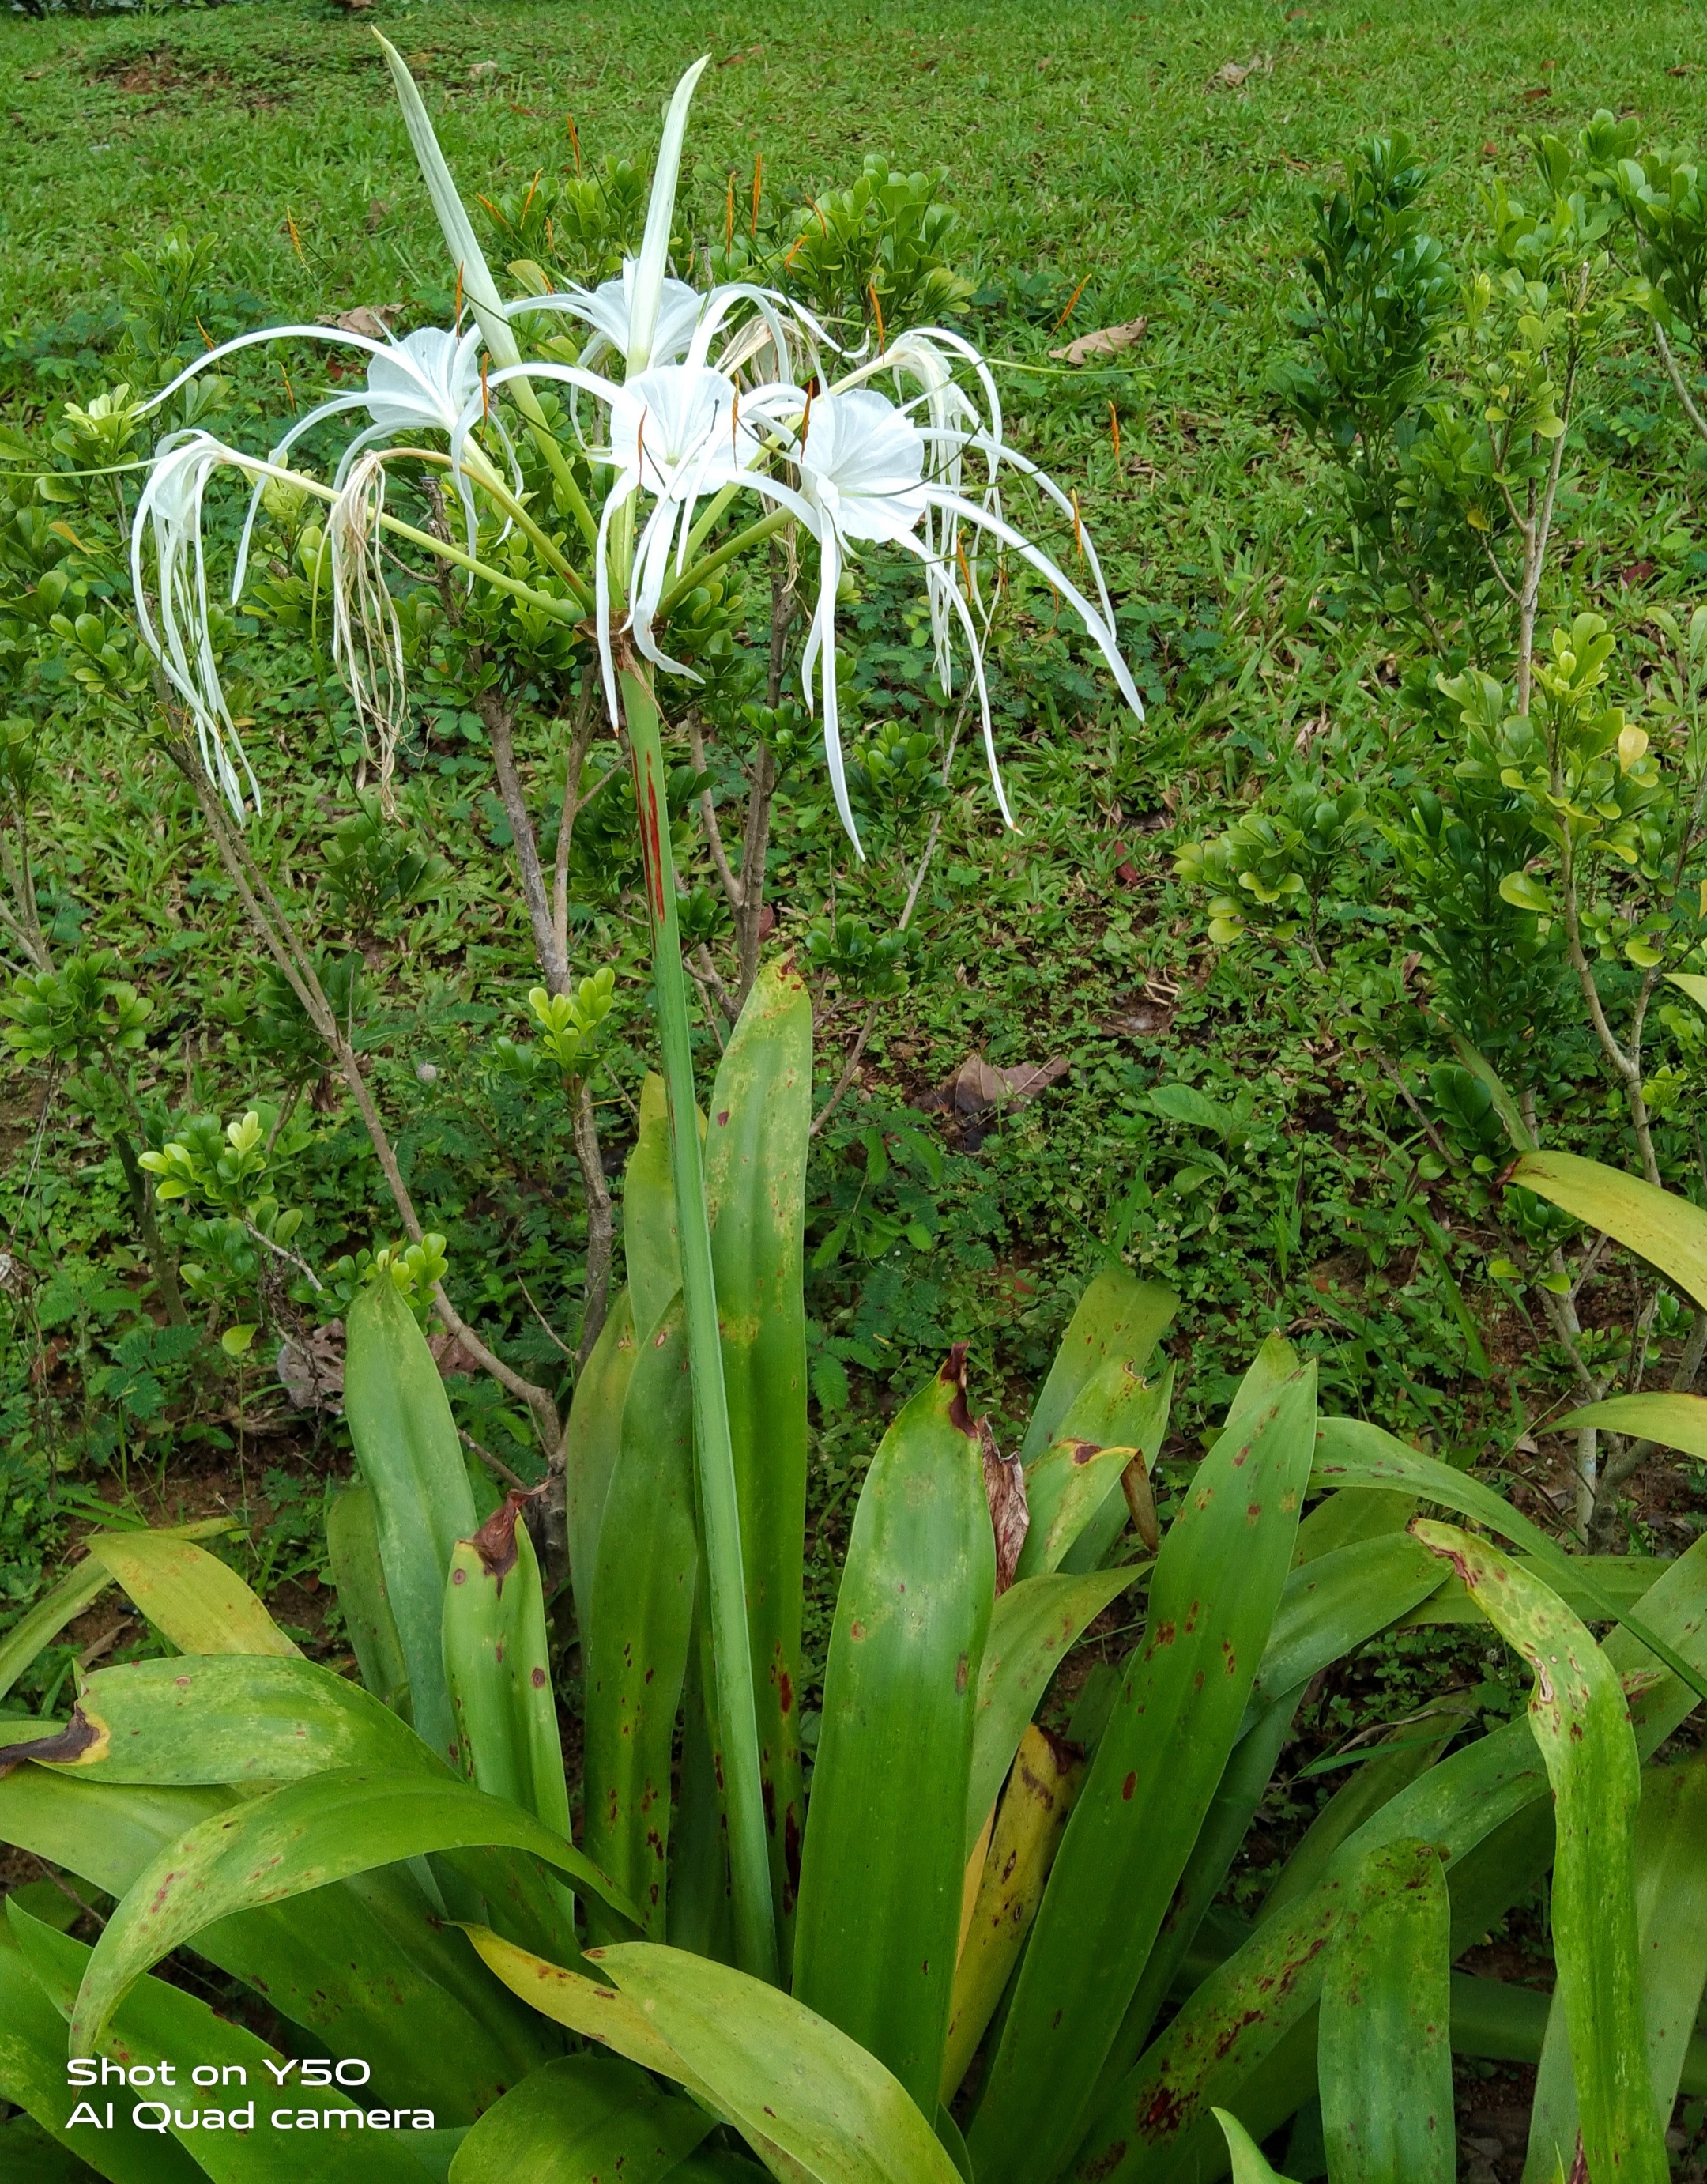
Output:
(690, 426)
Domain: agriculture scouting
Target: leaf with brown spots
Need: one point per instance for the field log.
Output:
(1581, 1723)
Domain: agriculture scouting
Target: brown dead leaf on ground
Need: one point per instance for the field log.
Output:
(1107, 341)
(977, 1085)
(312, 1370)
(1232, 74)
(374, 321)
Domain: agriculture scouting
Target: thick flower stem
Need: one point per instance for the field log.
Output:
(755, 1932)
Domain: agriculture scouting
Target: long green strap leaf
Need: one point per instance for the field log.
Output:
(817, 2106)
(33, 2077)
(159, 2025)
(1119, 1318)
(1213, 1596)
(1667, 1230)
(719, 1500)
(1671, 1854)
(63, 1603)
(1250, 2165)
(411, 1458)
(1674, 1421)
(1033, 1627)
(1225, 1827)
(649, 1247)
(883, 1872)
(352, 1548)
(230, 1718)
(1335, 1602)
(1385, 2054)
(643, 1620)
(497, 1666)
(191, 1595)
(581, 2117)
(1581, 1725)
(1251, 2014)
(592, 1441)
(758, 1129)
(300, 1838)
(335, 1962)
(1348, 1451)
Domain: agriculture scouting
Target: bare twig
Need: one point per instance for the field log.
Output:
(1405, 1092)
(491, 1463)
(1669, 361)
(267, 918)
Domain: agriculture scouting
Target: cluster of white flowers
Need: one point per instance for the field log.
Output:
(680, 395)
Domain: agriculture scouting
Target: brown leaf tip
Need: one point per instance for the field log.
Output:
(495, 1540)
(80, 1739)
(954, 1375)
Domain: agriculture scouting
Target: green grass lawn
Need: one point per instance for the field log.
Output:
(1107, 165)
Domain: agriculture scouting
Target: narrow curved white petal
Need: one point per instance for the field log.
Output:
(608, 310)
(660, 212)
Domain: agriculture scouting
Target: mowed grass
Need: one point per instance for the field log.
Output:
(1110, 165)
(1085, 142)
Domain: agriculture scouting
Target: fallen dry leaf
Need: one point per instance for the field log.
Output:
(373, 322)
(453, 1361)
(313, 1371)
(1107, 341)
(976, 1084)
(1145, 1019)
(1232, 74)
(1541, 90)
(1005, 1486)
(480, 68)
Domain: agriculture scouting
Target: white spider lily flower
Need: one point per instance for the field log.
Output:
(609, 310)
(420, 384)
(169, 511)
(367, 636)
(865, 476)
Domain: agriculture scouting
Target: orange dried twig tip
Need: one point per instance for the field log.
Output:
(531, 188)
(1071, 300)
(878, 314)
(758, 186)
(574, 141)
(1115, 429)
(965, 567)
(204, 333)
(794, 250)
(291, 230)
(290, 391)
(1078, 528)
(456, 314)
(806, 414)
(729, 217)
(485, 411)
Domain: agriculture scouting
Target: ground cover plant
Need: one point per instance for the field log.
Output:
(1397, 883)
